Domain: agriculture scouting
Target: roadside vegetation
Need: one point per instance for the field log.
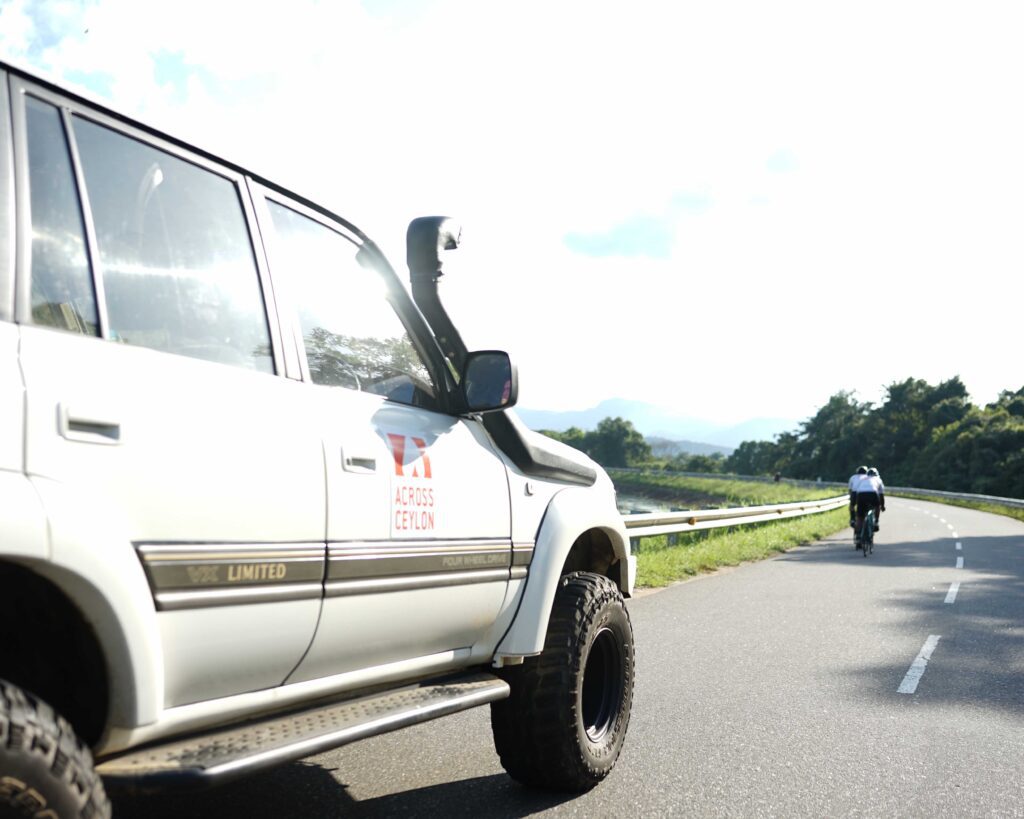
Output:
(923, 435)
(660, 563)
(931, 437)
(920, 434)
(681, 491)
(667, 558)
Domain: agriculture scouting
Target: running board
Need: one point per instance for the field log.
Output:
(220, 756)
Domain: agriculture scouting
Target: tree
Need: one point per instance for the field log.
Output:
(833, 442)
(616, 442)
(573, 436)
(902, 426)
(705, 463)
(981, 452)
(753, 458)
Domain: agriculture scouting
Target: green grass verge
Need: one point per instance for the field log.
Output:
(722, 491)
(659, 564)
(995, 508)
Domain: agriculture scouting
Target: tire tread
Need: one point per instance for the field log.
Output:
(29, 728)
(530, 726)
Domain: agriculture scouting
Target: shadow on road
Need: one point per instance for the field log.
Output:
(309, 790)
(494, 795)
(981, 631)
(1003, 550)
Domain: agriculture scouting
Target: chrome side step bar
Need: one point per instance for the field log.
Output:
(219, 756)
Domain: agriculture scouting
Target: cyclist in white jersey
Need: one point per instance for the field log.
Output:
(869, 493)
(861, 471)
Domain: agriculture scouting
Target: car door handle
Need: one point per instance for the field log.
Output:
(358, 465)
(88, 427)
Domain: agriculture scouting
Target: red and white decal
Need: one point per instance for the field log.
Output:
(421, 459)
(413, 502)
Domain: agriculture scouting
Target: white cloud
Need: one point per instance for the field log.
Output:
(899, 199)
(15, 29)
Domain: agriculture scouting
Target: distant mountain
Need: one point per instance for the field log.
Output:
(652, 420)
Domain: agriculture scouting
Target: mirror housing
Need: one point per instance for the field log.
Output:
(490, 381)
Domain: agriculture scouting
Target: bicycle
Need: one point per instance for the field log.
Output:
(864, 538)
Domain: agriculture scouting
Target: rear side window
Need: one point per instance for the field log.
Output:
(175, 256)
(62, 292)
(352, 335)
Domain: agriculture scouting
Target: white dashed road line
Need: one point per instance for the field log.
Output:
(959, 546)
(909, 684)
(959, 562)
(951, 594)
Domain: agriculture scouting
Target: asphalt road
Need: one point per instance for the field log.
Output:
(769, 690)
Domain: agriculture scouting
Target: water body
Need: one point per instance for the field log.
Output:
(633, 504)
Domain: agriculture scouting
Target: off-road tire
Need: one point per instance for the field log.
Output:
(45, 772)
(563, 726)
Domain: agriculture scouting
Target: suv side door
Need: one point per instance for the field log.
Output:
(154, 402)
(418, 517)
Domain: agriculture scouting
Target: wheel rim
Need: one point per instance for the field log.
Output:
(602, 685)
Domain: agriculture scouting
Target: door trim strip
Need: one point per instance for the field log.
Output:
(219, 574)
(375, 585)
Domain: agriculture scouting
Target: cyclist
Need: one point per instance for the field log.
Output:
(868, 491)
(873, 473)
(852, 484)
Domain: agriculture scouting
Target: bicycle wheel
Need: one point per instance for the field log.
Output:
(867, 535)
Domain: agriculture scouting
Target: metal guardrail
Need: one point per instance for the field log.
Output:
(649, 524)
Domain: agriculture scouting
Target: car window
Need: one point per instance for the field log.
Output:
(352, 335)
(62, 291)
(176, 259)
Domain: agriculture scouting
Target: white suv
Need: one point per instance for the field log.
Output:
(243, 475)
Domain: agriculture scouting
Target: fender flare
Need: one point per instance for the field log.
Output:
(572, 512)
(23, 530)
(92, 562)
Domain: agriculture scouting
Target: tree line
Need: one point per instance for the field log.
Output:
(923, 435)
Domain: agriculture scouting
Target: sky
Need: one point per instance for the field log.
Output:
(727, 209)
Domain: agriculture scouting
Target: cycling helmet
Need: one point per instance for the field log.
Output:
(862, 470)
(872, 472)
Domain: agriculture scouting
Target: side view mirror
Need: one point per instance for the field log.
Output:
(489, 382)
